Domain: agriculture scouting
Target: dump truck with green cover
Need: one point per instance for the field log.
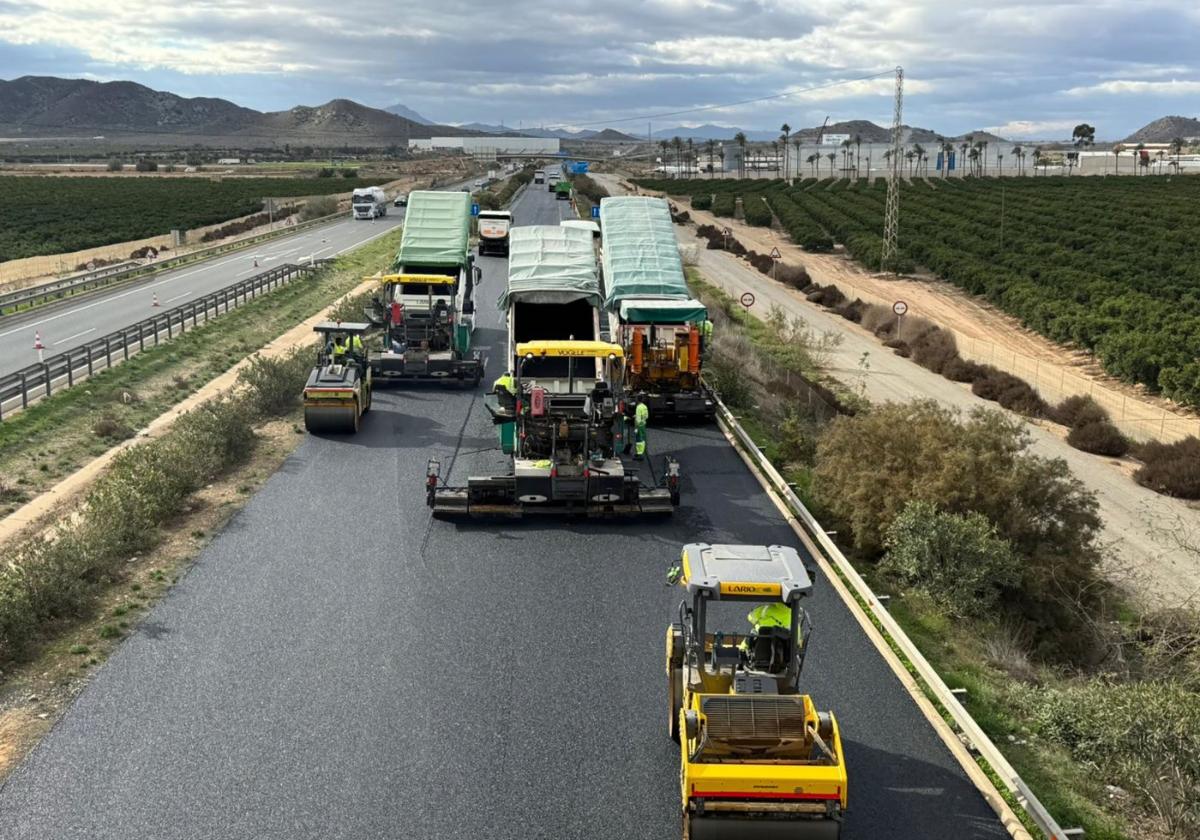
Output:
(426, 304)
(651, 312)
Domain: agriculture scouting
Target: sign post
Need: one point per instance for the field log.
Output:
(725, 232)
(775, 257)
(900, 308)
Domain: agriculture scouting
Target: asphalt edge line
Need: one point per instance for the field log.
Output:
(991, 794)
(29, 516)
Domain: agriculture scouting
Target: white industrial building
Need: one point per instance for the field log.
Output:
(485, 146)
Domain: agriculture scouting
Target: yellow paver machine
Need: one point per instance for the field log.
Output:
(758, 760)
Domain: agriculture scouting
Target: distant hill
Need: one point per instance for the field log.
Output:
(38, 105)
(1166, 129)
(611, 135)
(408, 114)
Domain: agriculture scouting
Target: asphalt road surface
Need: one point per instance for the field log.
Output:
(337, 664)
(67, 326)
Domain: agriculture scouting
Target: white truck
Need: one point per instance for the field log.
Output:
(539, 177)
(493, 231)
(368, 203)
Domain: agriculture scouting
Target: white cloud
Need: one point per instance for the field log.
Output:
(1036, 129)
(1173, 87)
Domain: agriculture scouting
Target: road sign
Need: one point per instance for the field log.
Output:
(900, 307)
(726, 232)
(91, 266)
(775, 254)
(474, 209)
(595, 211)
(747, 299)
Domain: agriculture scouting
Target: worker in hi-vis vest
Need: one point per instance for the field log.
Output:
(641, 417)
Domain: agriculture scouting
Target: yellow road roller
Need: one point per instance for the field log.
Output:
(338, 391)
(758, 760)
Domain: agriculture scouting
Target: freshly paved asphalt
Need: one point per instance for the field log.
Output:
(339, 665)
(93, 316)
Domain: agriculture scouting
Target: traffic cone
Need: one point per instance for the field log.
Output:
(155, 299)
(37, 344)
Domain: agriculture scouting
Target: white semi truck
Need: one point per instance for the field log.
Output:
(368, 203)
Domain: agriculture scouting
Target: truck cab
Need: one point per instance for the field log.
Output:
(551, 181)
(494, 226)
(539, 177)
(368, 203)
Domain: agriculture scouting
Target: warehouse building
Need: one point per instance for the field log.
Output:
(485, 146)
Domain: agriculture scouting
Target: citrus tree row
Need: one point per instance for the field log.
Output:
(51, 215)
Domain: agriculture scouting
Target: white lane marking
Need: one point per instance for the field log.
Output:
(177, 297)
(71, 338)
(363, 242)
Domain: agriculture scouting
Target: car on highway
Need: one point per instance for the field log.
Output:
(401, 200)
(479, 184)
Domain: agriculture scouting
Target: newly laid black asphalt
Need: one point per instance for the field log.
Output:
(339, 665)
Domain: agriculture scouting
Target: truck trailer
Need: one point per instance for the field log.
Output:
(652, 315)
(563, 419)
(426, 305)
(368, 203)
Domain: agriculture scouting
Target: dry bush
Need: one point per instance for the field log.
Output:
(960, 370)
(1078, 411)
(878, 320)
(111, 428)
(1172, 469)
(932, 347)
(852, 311)
(1010, 391)
(830, 296)
(901, 347)
(795, 276)
(1006, 646)
(1099, 437)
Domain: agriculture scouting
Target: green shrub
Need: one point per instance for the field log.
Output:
(724, 204)
(702, 202)
(871, 465)
(315, 208)
(756, 212)
(1077, 411)
(957, 559)
(276, 384)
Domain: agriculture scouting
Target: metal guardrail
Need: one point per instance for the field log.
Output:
(64, 370)
(976, 737)
(13, 302)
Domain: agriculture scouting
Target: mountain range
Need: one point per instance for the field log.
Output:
(41, 105)
(1166, 129)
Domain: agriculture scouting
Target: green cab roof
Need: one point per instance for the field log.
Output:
(658, 311)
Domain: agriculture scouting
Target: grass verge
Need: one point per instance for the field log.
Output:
(56, 436)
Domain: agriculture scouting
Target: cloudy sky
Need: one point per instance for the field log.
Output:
(1021, 69)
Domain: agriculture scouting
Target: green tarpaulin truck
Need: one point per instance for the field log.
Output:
(426, 305)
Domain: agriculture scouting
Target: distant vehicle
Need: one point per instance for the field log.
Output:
(368, 203)
(551, 182)
(539, 177)
(562, 191)
(493, 231)
(479, 184)
(401, 200)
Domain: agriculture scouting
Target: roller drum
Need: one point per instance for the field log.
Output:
(331, 420)
(749, 828)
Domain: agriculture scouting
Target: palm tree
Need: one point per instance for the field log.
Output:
(919, 151)
(1177, 148)
(963, 148)
(985, 147)
(1037, 159)
(796, 146)
(1017, 152)
(740, 139)
(1000, 164)
(947, 149)
(1116, 150)
(1161, 154)
(677, 145)
(1140, 159)
(857, 153)
(666, 147)
(832, 157)
(908, 156)
(691, 156)
(846, 144)
(775, 153)
(811, 160)
(787, 130)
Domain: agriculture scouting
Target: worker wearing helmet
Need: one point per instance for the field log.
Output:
(641, 417)
(771, 624)
(505, 389)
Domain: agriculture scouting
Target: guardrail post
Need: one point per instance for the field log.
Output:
(170, 333)
(46, 374)
(141, 336)
(154, 324)
(24, 391)
(70, 370)
(107, 353)
(88, 348)
(125, 344)
(194, 322)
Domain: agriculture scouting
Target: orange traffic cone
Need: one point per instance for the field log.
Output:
(37, 344)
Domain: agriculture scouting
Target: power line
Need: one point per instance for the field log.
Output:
(702, 108)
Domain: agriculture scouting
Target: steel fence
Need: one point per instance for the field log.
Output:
(64, 370)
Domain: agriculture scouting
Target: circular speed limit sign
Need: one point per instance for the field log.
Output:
(747, 299)
(900, 307)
